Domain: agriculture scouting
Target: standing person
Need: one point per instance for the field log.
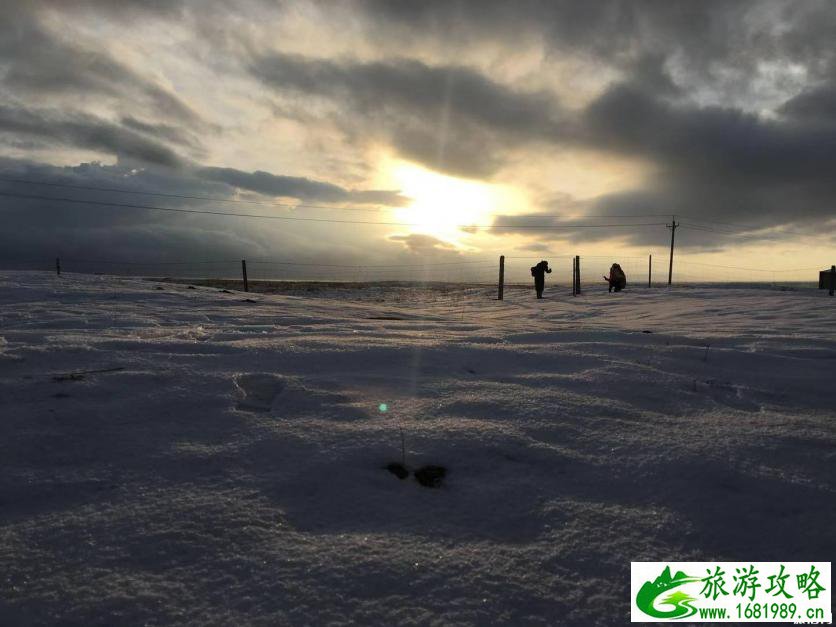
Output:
(539, 273)
(617, 278)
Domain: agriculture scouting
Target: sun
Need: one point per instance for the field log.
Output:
(442, 204)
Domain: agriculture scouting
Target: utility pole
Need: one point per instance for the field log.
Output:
(672, 226)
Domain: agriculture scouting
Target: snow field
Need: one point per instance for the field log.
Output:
(226, 464)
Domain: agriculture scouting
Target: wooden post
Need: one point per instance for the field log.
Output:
(244, 271)
(832, 279)
(649, 269)
(672, 226)
(574, 276)
(578, 272)
(501, 277)
(58, 266)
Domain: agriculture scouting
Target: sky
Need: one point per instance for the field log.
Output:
(385, 133)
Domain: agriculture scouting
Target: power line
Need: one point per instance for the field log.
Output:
(749, 227)
(702, 223)
(326, 220)
(408, 265)
(713, 265)
(711, 229)
(278, 263)
(301, 205)
(188, 197)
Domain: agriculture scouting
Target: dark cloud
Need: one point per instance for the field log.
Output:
(298, 187)
(39, 61)
(705, 36)
(44, 229)
(719, 162)
(449, 117)
(813, 106)
(760, 176)
(86, 131)
(165, 132)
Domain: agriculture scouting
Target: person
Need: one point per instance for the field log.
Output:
(617, 278)
(539, 273)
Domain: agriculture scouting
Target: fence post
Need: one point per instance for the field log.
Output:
(832, 279)
(649, 268)
(501, 277)
(574, 276)
(672, 226)
(578, 271)
(58, 266)
(244, 272)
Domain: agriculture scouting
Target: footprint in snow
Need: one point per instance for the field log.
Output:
(259, 390)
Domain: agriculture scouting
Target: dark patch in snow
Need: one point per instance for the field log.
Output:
(430, 476)
(397, 469)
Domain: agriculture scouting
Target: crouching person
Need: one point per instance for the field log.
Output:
(617, 279)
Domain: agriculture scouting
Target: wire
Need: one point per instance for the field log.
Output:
(701, 227)
(414, 265)
(296, 219)
(148, 263)
(291, 205)
(702, 223)
(278, 263)
(712, 265)
(188, 197)
(748, 227)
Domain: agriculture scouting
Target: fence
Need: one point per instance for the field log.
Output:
(434, 280)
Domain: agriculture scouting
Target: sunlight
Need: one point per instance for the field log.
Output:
(442, 203)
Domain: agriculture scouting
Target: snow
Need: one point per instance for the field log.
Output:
(226, 464)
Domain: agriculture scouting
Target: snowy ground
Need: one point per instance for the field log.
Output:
(226, 465)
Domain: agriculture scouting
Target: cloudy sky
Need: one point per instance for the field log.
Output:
(387, 132)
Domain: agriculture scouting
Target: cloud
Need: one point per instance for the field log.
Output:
(86, 131)
(299, 187)
(40, 228)
(728, 108)
(39, 61)
(43, 228)
(704, 38)
(448, 117)
(422, 244)
(715, 162)
(816, 105)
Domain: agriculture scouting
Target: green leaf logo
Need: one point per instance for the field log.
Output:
(678, 600)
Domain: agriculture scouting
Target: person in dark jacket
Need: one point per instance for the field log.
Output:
(539, 273)
(617, 278)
